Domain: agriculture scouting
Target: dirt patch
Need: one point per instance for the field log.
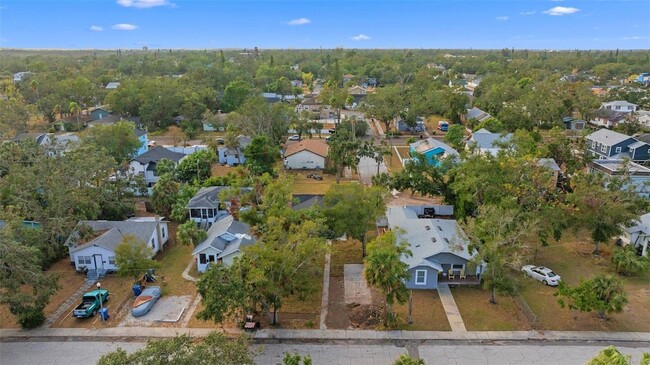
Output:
(406, 198)
(364, 316)
(337, 311)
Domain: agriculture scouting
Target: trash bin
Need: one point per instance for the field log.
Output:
(137, 289)
(104, 313)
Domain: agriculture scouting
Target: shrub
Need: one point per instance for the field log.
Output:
(31, 317)
(627, 262)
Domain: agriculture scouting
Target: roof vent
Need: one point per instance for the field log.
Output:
(417, 245)
(446, 240)
(439, 228)
(433, 239)
(427, 228)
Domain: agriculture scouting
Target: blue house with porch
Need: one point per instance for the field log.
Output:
(433, 151)
(439, 247)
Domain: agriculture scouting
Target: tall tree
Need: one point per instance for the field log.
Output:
(385, 105)
(196, 167)
(235, 94)
(119, 140)
(386, 271)
(353, 209)
(602, 206)
(261, 155)
(133, 257)
(164, 195)
(189, 234)
(75, 109)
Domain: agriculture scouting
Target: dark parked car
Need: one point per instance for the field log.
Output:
(314, 176)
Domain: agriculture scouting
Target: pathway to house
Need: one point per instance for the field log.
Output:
(451, 310)
(186, 273)
(326, 289)
(65, 305)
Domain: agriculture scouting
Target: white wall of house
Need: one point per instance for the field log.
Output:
(230, 159)
(210, 255)
(304, 160)
(93, 258)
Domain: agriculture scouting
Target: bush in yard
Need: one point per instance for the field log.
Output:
(603, 294)
(189, 234)
(31, 316)
(611, 356)
(405, 359)
(627, 262)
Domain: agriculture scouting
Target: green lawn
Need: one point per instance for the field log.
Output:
(479, 315)
(344, 252)
(427, 312)
(173, 261)
(573, 261)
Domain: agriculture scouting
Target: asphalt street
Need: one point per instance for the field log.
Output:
(72, 352)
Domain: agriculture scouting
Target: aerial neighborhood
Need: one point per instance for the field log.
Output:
(332, 189)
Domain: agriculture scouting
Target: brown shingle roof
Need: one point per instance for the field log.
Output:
(313, 145)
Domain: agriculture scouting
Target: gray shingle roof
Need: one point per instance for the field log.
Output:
(206, 198)
(428, 237)
(550, 163)
(158, 153)
(477, 114)
(227, 236)
(115, 230)
(485, 139)
(306, 201)
(607, 137)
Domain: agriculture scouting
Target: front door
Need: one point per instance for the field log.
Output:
(99, 263)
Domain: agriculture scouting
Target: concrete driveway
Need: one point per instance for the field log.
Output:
(355, 286)
(167, 309)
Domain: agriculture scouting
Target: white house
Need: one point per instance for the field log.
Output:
(643, 117)
(145, 164)
(113, 85)
(619, 106)
(234, 156)
(204, 206)
(92, 243)
(638, 235)
(225, 240)
(20, 76)
(306, 154)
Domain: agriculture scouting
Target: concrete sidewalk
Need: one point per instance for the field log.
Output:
(451, 309)
(113, 333)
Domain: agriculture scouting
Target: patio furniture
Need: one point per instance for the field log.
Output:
(451, 275)
(462, 274)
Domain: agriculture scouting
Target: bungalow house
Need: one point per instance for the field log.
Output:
(401, 125)
(638, 235)
(619, 106)
(309, 104)
(113, 85)
(347, 78)
(607, 118)
(358, 93)
(218, 124)
(92, 243)
(434, 151)
(476, 113)
(306, 154)
(60, 144)
(296, 83)
(145, 164)
(105, 120)
(204, 208)
(439, 247)
(606, 144)
(643, 117)
(226, 238)
(638, 176)
(99, 113)
(234, 156)
(484, 141)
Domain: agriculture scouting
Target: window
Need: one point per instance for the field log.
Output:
(83, 260)
(593, 145)
(153, 243)
(457, 266)
(111, 260)
(210, 258)
(618, 107)
(202, 259)
(420, 277)
(603, 148)
(163, 232)
(618, 149)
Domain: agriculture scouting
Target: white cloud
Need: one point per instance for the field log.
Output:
(502, 18)
(96, 28)
(360, 37)
(561, 10)
(144, 4)
(299, 21)
(635, 38)
(123, 26)
(527, 12)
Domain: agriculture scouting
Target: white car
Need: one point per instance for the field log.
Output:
(295, 137)
(543, 274)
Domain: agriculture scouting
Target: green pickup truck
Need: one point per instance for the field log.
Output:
(91, 303)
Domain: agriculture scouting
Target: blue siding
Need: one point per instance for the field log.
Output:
(431, 280)
(99, 114)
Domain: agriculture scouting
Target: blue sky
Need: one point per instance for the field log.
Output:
(198, 24)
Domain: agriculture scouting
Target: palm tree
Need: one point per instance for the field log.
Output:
(58, 110)
(610, 291)
(75, 109)
(627, 262)
(385, 271)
